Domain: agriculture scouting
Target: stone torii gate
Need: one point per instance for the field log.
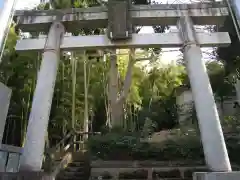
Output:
(119, 17)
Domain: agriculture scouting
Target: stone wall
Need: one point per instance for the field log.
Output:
(185, 103)
(26, 176)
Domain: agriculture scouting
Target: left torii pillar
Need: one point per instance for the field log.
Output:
(32, 156)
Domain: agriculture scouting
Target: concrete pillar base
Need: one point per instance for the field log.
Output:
(26, 175)
(234, 175)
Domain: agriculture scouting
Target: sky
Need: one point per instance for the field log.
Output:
(1, 3)
(169, 55)
(21, 4)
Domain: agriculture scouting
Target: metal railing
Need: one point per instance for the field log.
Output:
(74, 141)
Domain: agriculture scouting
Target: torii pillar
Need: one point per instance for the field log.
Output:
(214, 147)
(32, 156)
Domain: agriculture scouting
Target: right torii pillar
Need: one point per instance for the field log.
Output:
(214, 147)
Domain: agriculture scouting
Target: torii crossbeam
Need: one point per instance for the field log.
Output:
(165, 40)
(141, 15)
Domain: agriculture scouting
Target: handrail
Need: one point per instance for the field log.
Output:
(10, 148)
(53, 149)
(64, 162)
(49, 153)
(69, 135)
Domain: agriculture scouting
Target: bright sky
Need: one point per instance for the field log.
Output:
(1, 3)
(169, 55)
(22, 4)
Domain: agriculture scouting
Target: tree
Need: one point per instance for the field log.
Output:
(120, 81)
(221, 85)
(230, 55)
(18, 71)
(158, 91)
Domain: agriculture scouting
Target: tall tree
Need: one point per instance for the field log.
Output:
(230, 55)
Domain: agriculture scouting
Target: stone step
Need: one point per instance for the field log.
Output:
(176, 173)
(146, 179)
(127, 173)
(76, 169)
(177, 178)
(67, 173)
(189, 173)
(78, 164)
(71, 178)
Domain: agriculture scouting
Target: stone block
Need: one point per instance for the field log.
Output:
(119, 24)
(3, 161)
(13, 162)
(189, 172)
(174, 173)
(26, 176)
(235, 175)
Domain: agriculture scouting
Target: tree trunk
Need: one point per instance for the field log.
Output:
(116, 98)
(237, 88)
(222, 106)
(86, 116)
(113, 88)
(117, 114)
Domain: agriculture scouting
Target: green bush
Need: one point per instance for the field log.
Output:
(233, 147)
(231, 123)
(184, 145)
(113, 144)
(128, 146)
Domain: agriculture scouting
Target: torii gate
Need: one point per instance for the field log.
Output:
(119, 19)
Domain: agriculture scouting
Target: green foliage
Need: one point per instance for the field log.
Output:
(149, 127)
(231, 124)
(43, 6)
(222, 86)
(112, 144)
(230, 55)
(128, 146)
(158, 92)
(183, 145)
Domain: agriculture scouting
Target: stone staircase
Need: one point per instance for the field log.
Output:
(147, 170)
(76, 170)
(80, 166)
(83, 169)
(147, 174)
(144, 170)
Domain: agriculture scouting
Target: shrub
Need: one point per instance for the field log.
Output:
(112, 145)
(183, 145)
(128, 146)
